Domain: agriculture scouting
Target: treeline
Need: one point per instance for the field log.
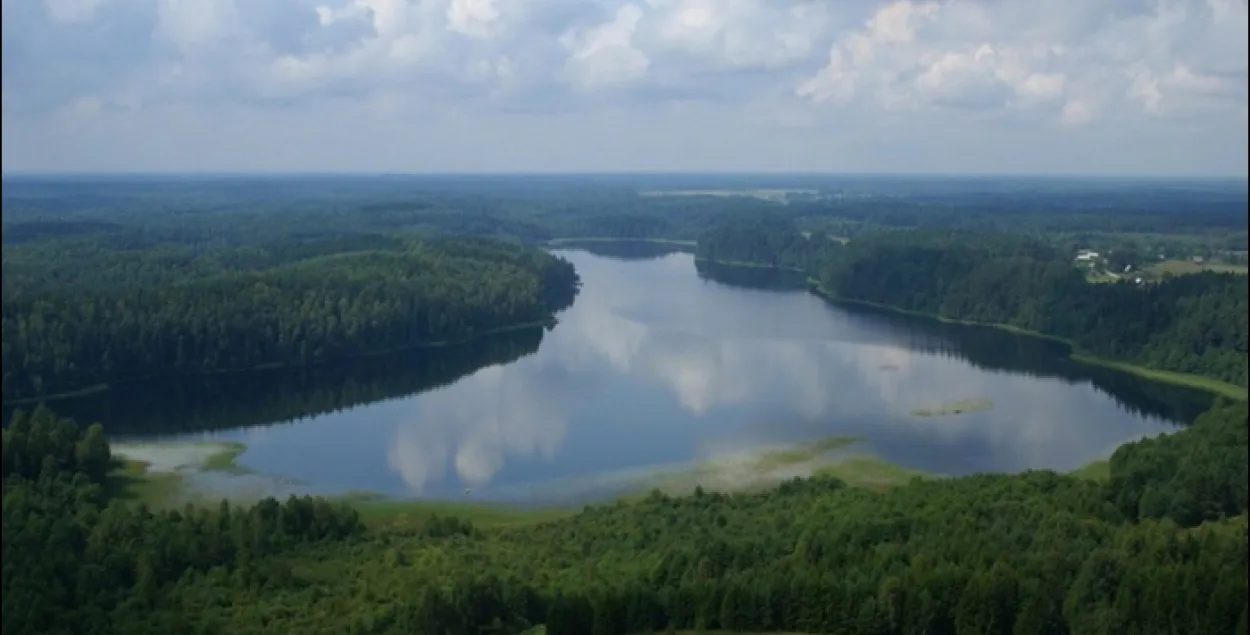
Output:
(1159, 548)
(1192, 324)
(72, 320)
(533, 208)
(769, 241)
(1030, 553)
(78, 560)
(241, 400)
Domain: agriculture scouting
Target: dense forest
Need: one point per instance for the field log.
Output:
(1161, 547)
(238, 400)
(1193, 324)
(74, 319)
(110, 281)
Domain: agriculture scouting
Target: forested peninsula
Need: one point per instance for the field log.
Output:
(1192, 324)
(78, 314)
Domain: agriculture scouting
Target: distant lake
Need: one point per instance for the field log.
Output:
(661, 360)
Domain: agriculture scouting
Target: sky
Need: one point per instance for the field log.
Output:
(937, 86)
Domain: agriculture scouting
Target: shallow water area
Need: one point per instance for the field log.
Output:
(665, 372)
(172, 456)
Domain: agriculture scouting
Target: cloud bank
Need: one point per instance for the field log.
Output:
(1124, 86)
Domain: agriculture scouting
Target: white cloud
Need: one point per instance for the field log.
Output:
(605, 54)
(700, 84)
(1049, 56)
(71, 10)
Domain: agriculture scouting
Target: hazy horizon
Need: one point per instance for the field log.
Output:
(279, 174)
(1101, 88)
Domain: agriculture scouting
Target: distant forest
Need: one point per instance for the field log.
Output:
(540, 208)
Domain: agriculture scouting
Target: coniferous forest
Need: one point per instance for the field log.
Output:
(72, 322)
(115, 284)
(1161, 547)
(1191, 324)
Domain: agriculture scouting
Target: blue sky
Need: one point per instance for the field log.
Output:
(946, 86)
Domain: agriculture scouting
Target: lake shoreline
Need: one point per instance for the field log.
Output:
(1187, 380)
(1175, 378)
(96, 389)
(167, 485)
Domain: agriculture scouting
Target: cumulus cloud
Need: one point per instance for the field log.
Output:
(717, 82)
(1058, 57)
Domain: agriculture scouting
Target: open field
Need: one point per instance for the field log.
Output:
(1166, 376)
(1186, 267)
(870, 472)
(775, 195)
(556, 242)
(391, 513)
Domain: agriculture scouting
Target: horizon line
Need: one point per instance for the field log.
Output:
(6, 174)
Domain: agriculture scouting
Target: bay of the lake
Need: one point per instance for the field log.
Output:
(661, 361)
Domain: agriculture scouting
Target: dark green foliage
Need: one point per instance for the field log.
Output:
(1030, 553)
(75, 561)
(74, 321)
(767, 241)
(1189, 479)
(1192, 324)
(108, 282)
(232, 400)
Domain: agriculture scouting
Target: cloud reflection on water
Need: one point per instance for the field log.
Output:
(741, 368)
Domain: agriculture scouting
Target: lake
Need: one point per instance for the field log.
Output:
(660, 363)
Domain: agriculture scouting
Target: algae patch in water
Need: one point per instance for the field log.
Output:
(176, 473)
(207, 456)
(955, 408)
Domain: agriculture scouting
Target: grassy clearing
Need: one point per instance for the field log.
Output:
(393, 513)
(1188, 267)
(1169, 377)
(870, 472)
(1098, 277)
(769, 460)
(774, 195)
(955, 408)
(746, 471)
(131, 481)
(555, 242)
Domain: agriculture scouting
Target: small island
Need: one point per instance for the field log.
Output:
(955, 408)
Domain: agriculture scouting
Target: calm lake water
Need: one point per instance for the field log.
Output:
(659, 361)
